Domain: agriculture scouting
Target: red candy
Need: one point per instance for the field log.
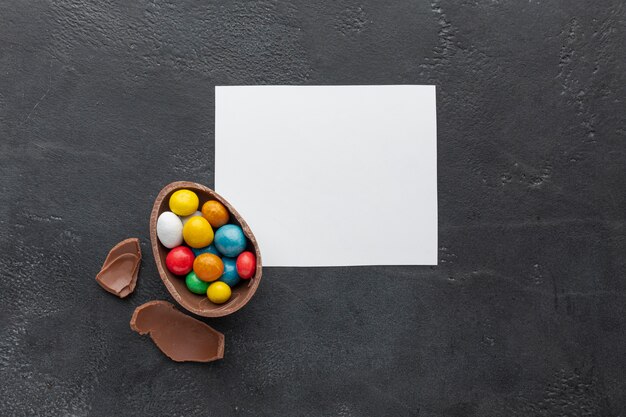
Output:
(180, 260)
(246, 265)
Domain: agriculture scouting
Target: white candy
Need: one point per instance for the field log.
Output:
(169, 229)
(186, 218)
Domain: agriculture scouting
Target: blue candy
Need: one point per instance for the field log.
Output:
(230, 240)
(230, 275)
(207, 249)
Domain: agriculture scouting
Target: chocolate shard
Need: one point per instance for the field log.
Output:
(181, 337)
(118, 274)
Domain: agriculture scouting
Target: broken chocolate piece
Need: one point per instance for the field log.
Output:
(197, 303)
(121, 267)
(119, 274)
(181, 337)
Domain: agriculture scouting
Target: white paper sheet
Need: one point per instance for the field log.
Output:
(331, 175)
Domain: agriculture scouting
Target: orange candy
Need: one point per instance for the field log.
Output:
(208, 267)
(215, 213)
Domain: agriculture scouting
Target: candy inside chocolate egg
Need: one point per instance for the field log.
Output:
(195, 303)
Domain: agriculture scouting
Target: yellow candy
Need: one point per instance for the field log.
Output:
(219, 292)
(197, 232)
(184, 202)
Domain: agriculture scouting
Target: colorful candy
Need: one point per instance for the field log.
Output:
(218, 292)
(184, 202)
(195, 284)
(230, 240)
(215, 213)
(246, 265)
(197, 232)
(208, 267)
(214, 259)
(179, 260)
(230, 275)
(169, 229)
(207, 249)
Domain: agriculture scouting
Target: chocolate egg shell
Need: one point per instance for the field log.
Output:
(121, 267)
(200, 304)
(181, 337)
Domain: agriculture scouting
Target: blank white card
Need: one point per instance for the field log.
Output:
(331, 175)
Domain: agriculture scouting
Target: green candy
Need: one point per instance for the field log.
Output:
(195, 284)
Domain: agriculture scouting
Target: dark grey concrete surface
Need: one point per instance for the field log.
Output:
(104, 102)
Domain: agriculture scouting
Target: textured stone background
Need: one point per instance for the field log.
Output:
(104, 102)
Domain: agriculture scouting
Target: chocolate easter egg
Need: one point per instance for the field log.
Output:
(196, 303)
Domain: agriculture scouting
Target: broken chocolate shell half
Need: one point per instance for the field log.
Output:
(200, 304)
(118, 274)
(179, 336)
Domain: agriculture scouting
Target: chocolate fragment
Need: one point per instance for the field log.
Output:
(181, 337)
(118, 274)
(200, 304)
